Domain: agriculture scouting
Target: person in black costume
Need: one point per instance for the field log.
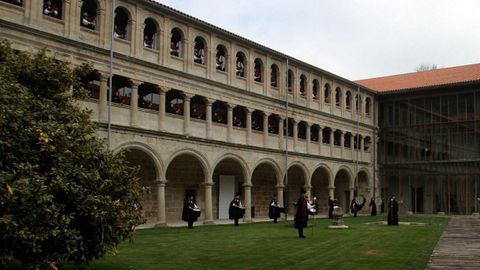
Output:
(373, 206)
(331, 204)
(353, 208)
(274, 209)
(392, 218)
(301, 216)
(190, 212)
(236, 209)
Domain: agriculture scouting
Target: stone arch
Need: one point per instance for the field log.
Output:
(123, 23)
(148, 150)
(265, 181)
(240, 160)
(363, 187)
(298, 175)
(320, 182)
(274, 164)
(203, 161)
(343, 183)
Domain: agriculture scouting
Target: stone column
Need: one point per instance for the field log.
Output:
(134, 104)
(308, 189)
(161, 217)
(229, 122)
(351, 147)
(331, 192)
(331, 142)
(208, 203)
(186, 114)
(208, 117)
(133, 36)
(280, 198)
(102, 99)
(249, 125)
(265, 129)
(161, 109)
(67, 16)
(281, 140)
(320, 139)
(342, 143)
(308, 136)
(248, 202)
(295, 134)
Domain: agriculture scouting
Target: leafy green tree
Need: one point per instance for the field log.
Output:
(63, 195)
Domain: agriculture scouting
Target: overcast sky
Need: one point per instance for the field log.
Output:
(355, 39)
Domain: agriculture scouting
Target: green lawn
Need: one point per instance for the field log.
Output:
(276, 246)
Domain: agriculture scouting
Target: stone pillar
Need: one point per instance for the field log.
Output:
(331, 142)
(248, 202)
(102, 99)
(161, 109)
(208, 203)
(331, 192)
(229, 122)
(134, 104)
(208, 117)
(320, 139)
(249, 125)
(133, 36)
(308, 136)
(161, 217)
(352, 148)
(67, 16)
(265, 129)
(280, 198)
(186, 114)
(281, 140)
(308, 189)
(295, 134)
(342, 143)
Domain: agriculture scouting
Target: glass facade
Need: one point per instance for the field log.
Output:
(429, 149)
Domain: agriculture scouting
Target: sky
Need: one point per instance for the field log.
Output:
(355, 39)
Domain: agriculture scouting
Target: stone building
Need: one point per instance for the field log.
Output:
(202, 110)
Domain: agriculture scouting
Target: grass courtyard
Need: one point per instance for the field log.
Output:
(276, 246)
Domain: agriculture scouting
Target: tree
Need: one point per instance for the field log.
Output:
(63, 195)
(425, 67)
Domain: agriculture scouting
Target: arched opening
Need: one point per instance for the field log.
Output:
(348, 100)
(91, 83)
(315, 89)
(338, 97)
(274, 75)
(296, 181)
(273, 122)
(174, 102)
(220, 58)
(199, 51)
(326, 93)
(185, 175)
(229, 178)
(257, 120)
(199, 108)
(239, 117)
(150, 36)
(367, 106)
(88, 11)
(122, 89)
(302, 130)
(303, 85)
(314, 129)
(148, 97)
(362, 188)
(346, 140)
(320, 183)
(147, 175)
(357, 142)
(326, 133)
(240, 65)
(121, 28)
(219, 114)
(176, 42)
(53, 8)
(264, 181)
(290, 127)
(337, 137)
(290, 81)
(258, 70)
(342, 189)
(367, 143)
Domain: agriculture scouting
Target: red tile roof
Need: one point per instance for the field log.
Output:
(424, 79)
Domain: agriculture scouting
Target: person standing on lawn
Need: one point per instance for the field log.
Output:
(301, 216)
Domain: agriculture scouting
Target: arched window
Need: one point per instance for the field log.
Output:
(150, 39)
(367, 106)
(348, 100)
(15, 2)
(239, 117)
(315, 89)
(367, 143)
(53, 8)
(88, 18)
(274, 75)
(326, 133)
(121, 28)
(290, 127)
(314, 133)
(219, 112)
(240, 64)
(357, 142)
(338, 96)
(337, 137)
(176, 40)
(346, 140)
(199, 51)
(290, 81)
(257, 120)
(91, 83)
(302, 130)
(273, 120)
(303, 85)
(174, 102)
(220, 57)
(148, 96)
(198, 107)
(326, 93)
(122, 90)
(258, 70)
